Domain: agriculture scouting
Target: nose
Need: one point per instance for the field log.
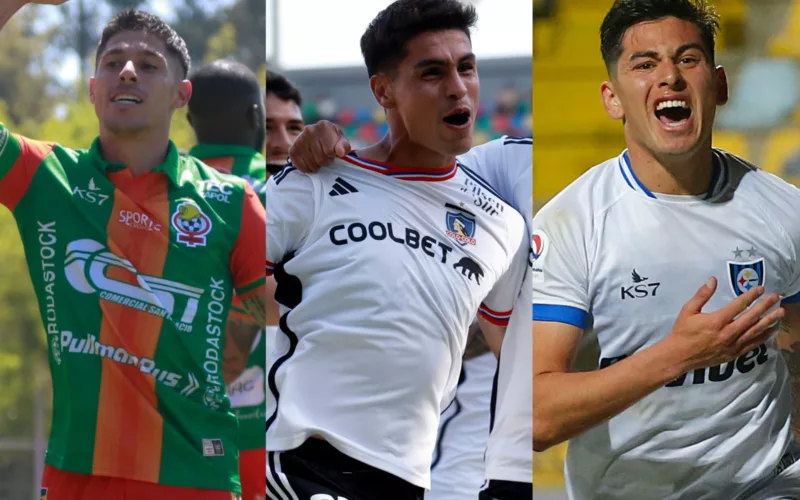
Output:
(456, 87)
(128, 73)
(671, 76)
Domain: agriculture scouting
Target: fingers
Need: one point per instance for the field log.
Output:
(342, 147)
(760, 332)
(740, 304)
(696, 303)
(749, 318)
(298, 156)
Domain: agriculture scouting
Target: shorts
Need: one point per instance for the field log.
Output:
(318, 470)
(62, 485)
(506, 490)
(251, 465)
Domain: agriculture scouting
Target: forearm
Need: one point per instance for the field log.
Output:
(7, 10)
(273, 310)
(240, 335)
(568, 404)
(789, 344)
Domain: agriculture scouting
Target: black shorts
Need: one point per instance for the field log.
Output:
(506, 490)
(317, 469)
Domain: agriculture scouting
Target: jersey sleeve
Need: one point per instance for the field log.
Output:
(248, 251)
(499, 304)
(560, 267)
(290, 214)
(19, 159)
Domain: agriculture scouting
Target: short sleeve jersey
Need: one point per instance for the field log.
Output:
(380, 272)
(619, 261)
(134, 277)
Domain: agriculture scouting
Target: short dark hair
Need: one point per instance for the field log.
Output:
(221, 86)
(625, 14)
(383, 45)
(282, 88)
(139, 21)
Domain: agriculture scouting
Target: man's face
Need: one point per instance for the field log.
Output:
(284, 124)
(435, 91)
(665, 87)
(137, 85)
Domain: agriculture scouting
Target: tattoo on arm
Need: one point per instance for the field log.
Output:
(476, 343)
(257, 308)
(239, 338)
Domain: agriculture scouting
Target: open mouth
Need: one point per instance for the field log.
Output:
(674, 112)
(126, 99)
(458, 118)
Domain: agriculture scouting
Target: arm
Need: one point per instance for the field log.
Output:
(317, 146)
(567, 404)
(273, 310)
(487, 337)
(240, 334)
(789, 344)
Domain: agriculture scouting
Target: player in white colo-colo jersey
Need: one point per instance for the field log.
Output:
(666, 270)
(458, 464)
(380, 271)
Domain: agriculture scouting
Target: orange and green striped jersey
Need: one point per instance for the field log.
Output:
(134, 278)
(248, 391)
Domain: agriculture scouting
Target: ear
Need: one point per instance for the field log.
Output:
(381, 86)
(184, 94)
(91, 90)
(611, 101)
(722, 85)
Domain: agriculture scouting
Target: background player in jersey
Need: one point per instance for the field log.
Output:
(458, 464)
(284, 119)
(424, 75)
(227, 114)
(140, 266)
(688, 399)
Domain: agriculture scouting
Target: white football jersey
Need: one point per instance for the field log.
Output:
(380, 272)
(458, 460)
(620, 262)
(507, 166)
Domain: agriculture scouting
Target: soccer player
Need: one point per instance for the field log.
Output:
(134, 266)
(227, 114)
(381, 269)
(674, 261)
(284, 119)
(458, 464)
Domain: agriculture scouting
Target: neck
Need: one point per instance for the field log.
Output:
(402, 152)
(688, 174)
(140, 153)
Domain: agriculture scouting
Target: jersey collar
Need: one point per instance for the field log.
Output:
(404, 173)
(719, 177)
(173, 165)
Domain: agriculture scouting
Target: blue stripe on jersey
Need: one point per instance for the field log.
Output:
(794, 299)
(477, 178)
(510, 139)
(283, 173)
(627, 160)
(560, 314)
(405, 174)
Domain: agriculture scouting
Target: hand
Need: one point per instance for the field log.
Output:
(10, 7)
(702, 339)
(317, 146)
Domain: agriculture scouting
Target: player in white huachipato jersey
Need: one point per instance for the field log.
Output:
(458, 466)
(381, 269)
(682, 400)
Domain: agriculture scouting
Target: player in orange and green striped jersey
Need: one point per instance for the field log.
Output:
(134, 262)
(227, 114)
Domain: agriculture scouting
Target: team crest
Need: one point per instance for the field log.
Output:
(745, 275)
(461, 227)
(191, 224)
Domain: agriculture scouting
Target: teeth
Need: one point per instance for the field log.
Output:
(672, 104)
(127, 98)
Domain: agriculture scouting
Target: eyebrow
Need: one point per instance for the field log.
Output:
(441, 62)
(654, 55)
(293, 121)
(118, 51)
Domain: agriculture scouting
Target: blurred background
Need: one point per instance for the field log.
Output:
(46, 59)
(759, 45)
(333, 80)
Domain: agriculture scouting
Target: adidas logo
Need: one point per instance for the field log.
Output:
(342, 187)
